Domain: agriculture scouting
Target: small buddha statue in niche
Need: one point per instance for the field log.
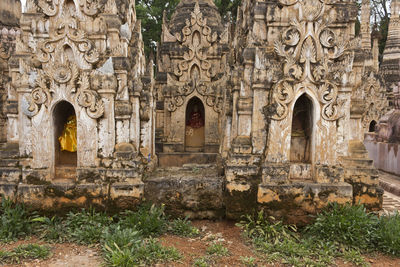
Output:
(68, 137)
(194, 140)
(195, 119)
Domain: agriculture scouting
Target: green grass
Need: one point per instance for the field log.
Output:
(30, 251)
(15, 221)
(183, 227)
(217, 249)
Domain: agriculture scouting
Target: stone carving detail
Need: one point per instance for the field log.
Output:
(195, 72)
(314, 58)
(62, 57)
(373, 98)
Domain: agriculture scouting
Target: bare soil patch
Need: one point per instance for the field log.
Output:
(224, 232)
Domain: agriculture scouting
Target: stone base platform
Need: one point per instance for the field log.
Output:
(194, 190)
(296, 201)
(178, 159)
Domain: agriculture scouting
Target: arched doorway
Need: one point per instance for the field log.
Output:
(372, 127)
(301, 136)
(65, 135)
(194, 126)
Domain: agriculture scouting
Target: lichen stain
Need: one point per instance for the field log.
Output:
(266, 196)
(237, 187)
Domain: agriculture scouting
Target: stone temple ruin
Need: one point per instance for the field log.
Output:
(267, 113)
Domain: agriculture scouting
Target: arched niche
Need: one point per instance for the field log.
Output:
(64, 122)
(69, 7)
(372, 126)
(194, 126)
(302, 129)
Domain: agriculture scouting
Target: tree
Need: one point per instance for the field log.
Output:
(150, 12)
(380, 16)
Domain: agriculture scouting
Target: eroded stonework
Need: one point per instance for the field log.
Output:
(269, 113)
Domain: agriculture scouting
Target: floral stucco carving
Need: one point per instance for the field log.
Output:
(195, 71)
(314, 58)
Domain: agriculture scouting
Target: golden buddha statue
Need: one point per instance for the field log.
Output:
(68, 137)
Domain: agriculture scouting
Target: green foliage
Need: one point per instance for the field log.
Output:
(345, 224)
(388, 234)
(248, 261)
(217, 249)
(86, 226)
(149, 220)
(266, 229)
(30, 251)
(150, 12)
(183, 227)
(354, 256)
(15, 221)
(139, 252)
(51, 229)
(201, 262)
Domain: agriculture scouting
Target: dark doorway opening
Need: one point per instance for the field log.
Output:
(194, 129)
(372, 127)
(300, 146)
(65, 141)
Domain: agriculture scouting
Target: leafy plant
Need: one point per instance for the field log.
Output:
(201, 262)
(51, 229)
(30, 251)
(145, 252)
(217, 249)
(345, 224)
(15, 221)
(149, 220)
(260, 227)
(248, 261)
(86, 227)
(388, 234)
(354, 256)
(183, 227)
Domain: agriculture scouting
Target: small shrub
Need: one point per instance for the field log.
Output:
(183, 227)
(30, 251)
(51, 230)
(217, 249)
(149, 220)
(15, 221)
(201, 262)
(266, 229)
(388, 234)
(121, 238)
(345, 224)
(86, 227)
(248, 261)
(354, 256)
(147, 252)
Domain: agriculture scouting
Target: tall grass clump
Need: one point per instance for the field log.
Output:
(86, 226)
(126, 247)
(150, 220)
(345, 224)
(15, 221)
(388, 234)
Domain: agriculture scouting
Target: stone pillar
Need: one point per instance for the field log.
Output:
(365, 25)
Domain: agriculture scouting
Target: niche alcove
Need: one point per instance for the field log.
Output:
(64, 121)
(301, 136)
(194, 126)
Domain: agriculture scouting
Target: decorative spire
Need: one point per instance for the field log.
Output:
(365, 25)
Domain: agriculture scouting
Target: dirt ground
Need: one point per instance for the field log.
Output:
(72, 255)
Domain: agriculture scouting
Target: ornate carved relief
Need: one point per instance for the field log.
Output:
(61, 57)
(195, 72)
(314, 58)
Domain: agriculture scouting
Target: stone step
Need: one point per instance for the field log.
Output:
(9, 162)
(10, 174)
(178, 159)
(65, 172)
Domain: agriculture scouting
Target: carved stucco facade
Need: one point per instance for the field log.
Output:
(88, 54)
(252, 79)
(192, 62)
